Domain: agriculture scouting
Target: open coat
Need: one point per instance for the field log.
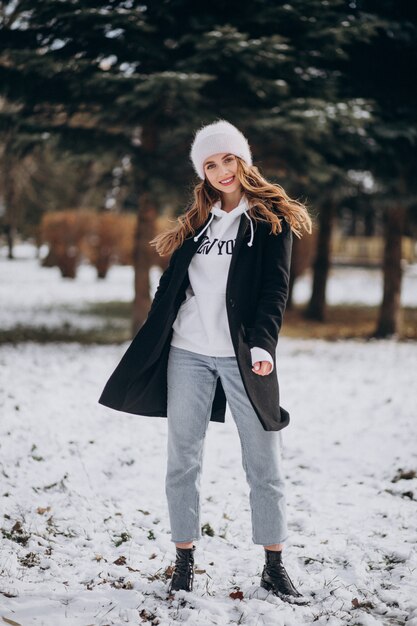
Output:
(256, 296)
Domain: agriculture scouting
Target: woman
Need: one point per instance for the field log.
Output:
(211, 335)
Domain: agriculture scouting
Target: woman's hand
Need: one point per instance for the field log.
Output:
(262, 368)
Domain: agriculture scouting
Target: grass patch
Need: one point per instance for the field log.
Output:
(114, 309)
(344, 322)
(68, 334)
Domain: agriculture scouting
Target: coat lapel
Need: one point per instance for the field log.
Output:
(243, 224)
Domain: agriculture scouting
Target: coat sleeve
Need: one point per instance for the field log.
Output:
(163, 281)
(274, 290)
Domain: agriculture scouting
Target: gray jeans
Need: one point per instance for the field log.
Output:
(192, 381)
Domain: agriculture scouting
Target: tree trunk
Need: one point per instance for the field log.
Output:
(143, 253)
(8, 183)
(389, 322)
(315, 309)
(8, 231)
(143, 258)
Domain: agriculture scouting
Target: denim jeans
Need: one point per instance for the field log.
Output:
(191, 381)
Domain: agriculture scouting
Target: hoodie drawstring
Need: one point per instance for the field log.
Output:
(251, 228)
(206, 226)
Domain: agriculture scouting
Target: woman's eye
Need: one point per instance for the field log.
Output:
(209, 167)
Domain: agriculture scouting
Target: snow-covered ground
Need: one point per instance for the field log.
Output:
(84, 525)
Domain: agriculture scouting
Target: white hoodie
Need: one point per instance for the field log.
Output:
(201, 324)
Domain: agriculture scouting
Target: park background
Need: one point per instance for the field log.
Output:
(99, 103)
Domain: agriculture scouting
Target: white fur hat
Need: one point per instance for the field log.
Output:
(220, 136)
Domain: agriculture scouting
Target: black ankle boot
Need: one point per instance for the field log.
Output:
(183, 575)
(275, 579)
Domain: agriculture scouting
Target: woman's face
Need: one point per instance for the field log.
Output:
(220, 170)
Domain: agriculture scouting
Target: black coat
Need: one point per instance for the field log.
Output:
(256, 296)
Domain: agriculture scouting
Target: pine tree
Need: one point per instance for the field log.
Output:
(136, 79)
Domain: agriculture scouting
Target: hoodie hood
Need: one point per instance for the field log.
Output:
(224, 218)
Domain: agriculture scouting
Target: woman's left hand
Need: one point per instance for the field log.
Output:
(262, 368)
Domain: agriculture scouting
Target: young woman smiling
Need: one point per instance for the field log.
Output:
(211, 335)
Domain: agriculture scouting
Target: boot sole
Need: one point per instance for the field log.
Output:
(285, 597)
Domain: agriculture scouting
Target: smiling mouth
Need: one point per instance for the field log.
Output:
(227, 181)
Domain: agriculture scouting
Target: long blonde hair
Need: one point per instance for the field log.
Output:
(268, 202)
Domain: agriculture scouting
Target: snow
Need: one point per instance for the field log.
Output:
(82, 486)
